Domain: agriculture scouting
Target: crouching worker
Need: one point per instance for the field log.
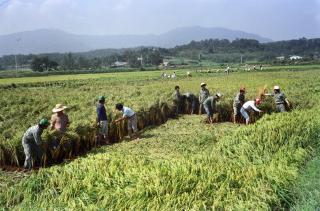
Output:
(31, 142)
(130, 115)
(102, 121)
(210, 106)
(248, 107)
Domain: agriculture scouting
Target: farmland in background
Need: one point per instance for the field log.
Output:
(181, 164)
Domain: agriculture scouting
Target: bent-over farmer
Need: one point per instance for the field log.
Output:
(248, 107)
(131, 116)
(210, 106)
(31, 142)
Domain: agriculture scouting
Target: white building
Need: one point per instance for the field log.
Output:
(280, 58)
(119, 64)
(295, 57)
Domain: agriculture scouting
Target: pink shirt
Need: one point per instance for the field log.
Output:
(59, 123)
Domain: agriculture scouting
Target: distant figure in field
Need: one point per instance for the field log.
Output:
(130, 115)
(204, 94)
(254, 67)
(227, 70)
(282, 104)
(191, 100)
(174, 76)
(59, 120)
(260, 66)
(177, 100)
(189, 74)
(210, 105)
(31, 143)
(238, 101)
(102, 121)
(248, 107)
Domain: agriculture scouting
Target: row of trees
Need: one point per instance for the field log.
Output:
(221, 51)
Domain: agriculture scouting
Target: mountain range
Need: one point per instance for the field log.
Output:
(57, 41)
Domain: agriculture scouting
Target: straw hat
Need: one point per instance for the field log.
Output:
(203, 84)
(276, 87)
(58, 108)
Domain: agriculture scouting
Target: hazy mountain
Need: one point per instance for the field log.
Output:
(47, 41)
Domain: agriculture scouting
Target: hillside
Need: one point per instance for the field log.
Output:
(49, 41)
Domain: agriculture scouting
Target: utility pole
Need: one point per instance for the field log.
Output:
(241, 59)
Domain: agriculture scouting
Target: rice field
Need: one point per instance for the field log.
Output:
(182, 164)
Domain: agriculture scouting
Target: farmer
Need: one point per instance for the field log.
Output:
(102, 120)
(31, 142)
(59, 120)
(210, 106)
(280, 99)
(237, 104)
(191, 100)
(130, 115)
(248, 107)
(204, 94)
(177, 100)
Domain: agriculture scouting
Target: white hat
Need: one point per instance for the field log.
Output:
(203, 84)
(219, 94)
(276, 87)
(58, 108)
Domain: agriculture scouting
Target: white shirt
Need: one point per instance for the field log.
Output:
(128, 112)
(249, 105)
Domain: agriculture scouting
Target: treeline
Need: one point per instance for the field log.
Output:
(215, 50)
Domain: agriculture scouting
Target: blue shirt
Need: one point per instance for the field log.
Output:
(101, 113)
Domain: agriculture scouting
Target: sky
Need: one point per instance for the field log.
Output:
(274, 19)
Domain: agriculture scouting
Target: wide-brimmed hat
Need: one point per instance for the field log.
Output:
(203, 84)
(58, 108)
(276, 87)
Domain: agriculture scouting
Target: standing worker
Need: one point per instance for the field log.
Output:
(31, 142)
(191, 100)
(102, 120)
(177, 100)
(248, 107)
(131, 116)
(210, 105)
(204, 94)
(280, 99)
(237, 104)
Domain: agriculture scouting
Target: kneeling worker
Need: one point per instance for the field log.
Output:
(210, 106)
(31, 142)
(131, 116)
(248, 107)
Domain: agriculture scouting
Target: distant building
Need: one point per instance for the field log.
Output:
(280, 58)
(119, 64)
(295, 57)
